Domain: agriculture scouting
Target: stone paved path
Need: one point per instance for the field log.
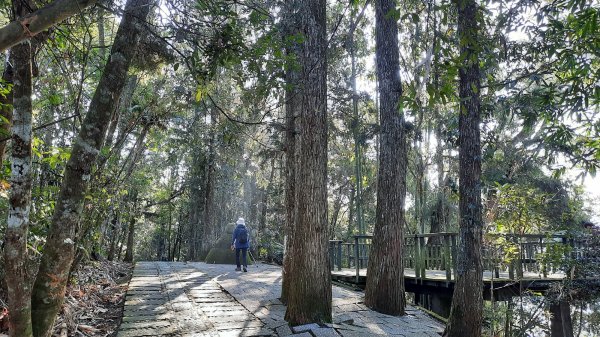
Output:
(197, 299)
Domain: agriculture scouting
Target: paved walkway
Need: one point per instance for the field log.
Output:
(197, 299)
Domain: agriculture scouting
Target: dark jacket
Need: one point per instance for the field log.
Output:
(236, 232)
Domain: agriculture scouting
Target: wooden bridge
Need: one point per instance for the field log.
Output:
(512, 264)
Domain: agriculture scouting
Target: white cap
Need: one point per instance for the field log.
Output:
(241, 221)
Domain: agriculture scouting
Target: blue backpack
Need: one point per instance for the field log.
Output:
(242, 236)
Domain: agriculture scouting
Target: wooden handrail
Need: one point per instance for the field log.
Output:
(421, 255)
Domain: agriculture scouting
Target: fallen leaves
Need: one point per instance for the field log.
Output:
(93, 304)
(93, 301)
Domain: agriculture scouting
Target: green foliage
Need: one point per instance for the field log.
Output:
(520, 210)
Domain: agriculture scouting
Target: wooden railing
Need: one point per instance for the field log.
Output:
(501, 253)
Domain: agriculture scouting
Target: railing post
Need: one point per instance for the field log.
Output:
(417, 258)
(356, 258)
(339, 255)
(543, 252)
(447, 265)
(454, 253)
(424, 259)
(520, 260)
(513, 262)
(331, 255)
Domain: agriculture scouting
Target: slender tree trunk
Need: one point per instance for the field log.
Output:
(176, 246)
(351, 212)
(438, 219)
(121, 244)
(130, 236)
(15, 246)
(356, 132)
(124, 103)
(385, 285)
(440, 209)
(49, 288)
(466, 313)
(114, 235)
(209, 186)
(337, 206)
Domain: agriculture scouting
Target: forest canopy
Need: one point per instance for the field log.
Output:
(143, 130)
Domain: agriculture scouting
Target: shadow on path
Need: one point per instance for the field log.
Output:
(198, 299)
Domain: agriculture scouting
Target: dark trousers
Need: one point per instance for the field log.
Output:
(237, 256)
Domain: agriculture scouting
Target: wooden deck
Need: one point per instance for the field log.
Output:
(435, 281)
(440, 275)
(512, 263)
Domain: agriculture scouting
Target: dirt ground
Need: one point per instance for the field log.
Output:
(93, 302)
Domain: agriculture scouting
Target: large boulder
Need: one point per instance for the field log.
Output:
(221, 252)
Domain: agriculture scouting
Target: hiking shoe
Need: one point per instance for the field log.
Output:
(238, 269)
(245, 270)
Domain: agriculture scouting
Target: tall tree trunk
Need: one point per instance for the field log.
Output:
(466, 313)
(356, 132)
(130, 235)
(49, 288)
(292, 106)
(310, 287)
(15, 247)
(385, 285)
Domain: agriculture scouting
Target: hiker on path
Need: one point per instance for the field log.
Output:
(241, 243)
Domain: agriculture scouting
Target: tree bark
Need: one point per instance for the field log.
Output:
(384, 291)
(49, 288)
(15, 247)
(310, 285)
(40, 20)
(466, 313)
